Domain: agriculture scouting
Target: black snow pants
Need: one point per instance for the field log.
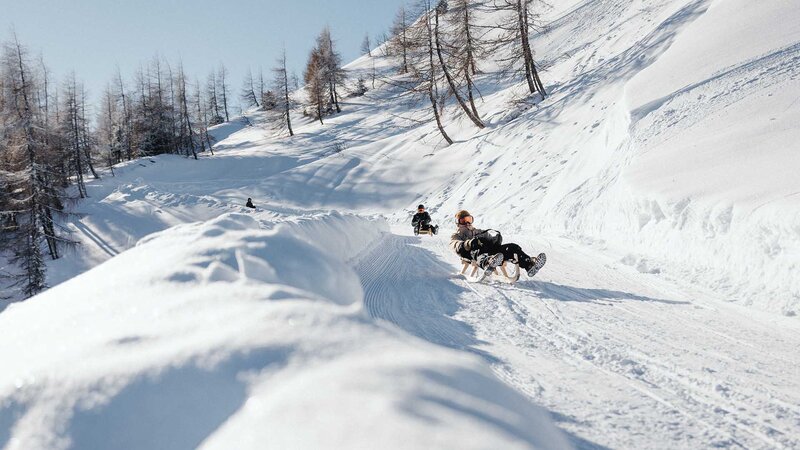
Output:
(508, 251)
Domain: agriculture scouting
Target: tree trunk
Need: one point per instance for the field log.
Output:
(76, 142)
(529, 55)
(470, 66)
(436, 116)
(319, 107)
(286, 102)
(224, 94)
(50, 234)
(432, 87)
(186, 112)
(522, 18)
(85, 133)
(473, 117)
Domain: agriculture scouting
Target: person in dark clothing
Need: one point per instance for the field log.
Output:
(249, 203)
(487, 249)
(422, 221)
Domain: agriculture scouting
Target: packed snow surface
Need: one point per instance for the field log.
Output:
(660, 177)
(237, 334)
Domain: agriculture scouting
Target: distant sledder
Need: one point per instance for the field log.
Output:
(485, 253)
(422, 222)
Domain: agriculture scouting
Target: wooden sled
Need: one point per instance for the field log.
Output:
(429, 231)
(477, 275)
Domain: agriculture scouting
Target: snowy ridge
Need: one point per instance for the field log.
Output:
(220, 337)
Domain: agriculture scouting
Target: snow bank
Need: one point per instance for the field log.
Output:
(222, 334)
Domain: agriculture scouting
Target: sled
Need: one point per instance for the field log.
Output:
(477, 275)
(428, 231)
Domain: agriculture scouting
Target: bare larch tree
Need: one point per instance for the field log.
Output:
(519, 21)
(281, 85)
(440, 9)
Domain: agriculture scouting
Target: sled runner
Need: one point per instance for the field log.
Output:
(477, 275)
(430, 231)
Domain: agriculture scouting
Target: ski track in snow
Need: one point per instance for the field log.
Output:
(634, 364)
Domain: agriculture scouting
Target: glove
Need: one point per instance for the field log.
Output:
(472, 244)
(493, 237)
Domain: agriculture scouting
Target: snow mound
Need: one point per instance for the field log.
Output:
(224, 334)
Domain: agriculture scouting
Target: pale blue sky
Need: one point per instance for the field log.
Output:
(94, 36)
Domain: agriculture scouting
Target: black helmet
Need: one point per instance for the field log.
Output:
(420, 206)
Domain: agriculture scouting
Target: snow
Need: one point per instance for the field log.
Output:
(659, 177)
(204, 333)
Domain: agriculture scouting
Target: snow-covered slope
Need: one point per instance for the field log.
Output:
(670, 139)
(225, 335)
(659, 176)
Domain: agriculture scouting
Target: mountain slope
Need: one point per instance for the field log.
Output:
(658, 177)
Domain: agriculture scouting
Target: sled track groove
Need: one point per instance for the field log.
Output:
(405, 284)
(628, 342)
(675, 394)
(741, 417)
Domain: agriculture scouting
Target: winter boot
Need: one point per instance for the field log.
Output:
(489, 262)
(435, 229)
(538, 263)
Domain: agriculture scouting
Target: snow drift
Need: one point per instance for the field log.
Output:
(222, 334)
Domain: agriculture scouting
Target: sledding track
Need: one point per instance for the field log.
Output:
(418, 296)
(621, 359)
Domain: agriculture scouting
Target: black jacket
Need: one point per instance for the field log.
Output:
(421, 218)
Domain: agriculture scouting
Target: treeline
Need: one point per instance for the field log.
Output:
(45, 143)
(160, 111)
(51, 141)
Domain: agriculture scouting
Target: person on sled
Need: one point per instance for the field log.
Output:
(422, 221)
(486, 247)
